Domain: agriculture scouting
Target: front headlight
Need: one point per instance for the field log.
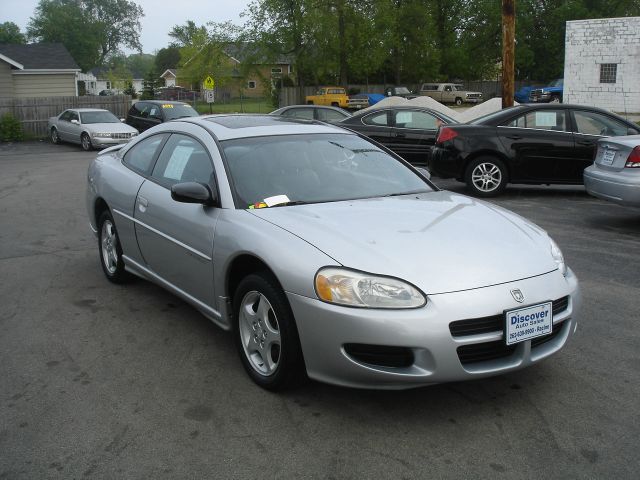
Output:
(358, 289)
(101, 135)
(556, 253)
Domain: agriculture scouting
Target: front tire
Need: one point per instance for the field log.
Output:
(265, 333)
(55, 138)
(110, 250)
(458, 101)
(85, 141)
(555, 99)
(486, 177)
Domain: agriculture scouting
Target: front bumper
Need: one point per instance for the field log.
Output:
(473, 100)
(622, 187)
(104, 142)
(325, 329)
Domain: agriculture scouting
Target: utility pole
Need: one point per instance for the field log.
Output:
(508, 51)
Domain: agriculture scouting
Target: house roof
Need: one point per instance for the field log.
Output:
(102, 73)
(249, 52)
(39, 56)
(170, 71)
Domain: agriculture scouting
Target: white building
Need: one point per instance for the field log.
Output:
(602, 63)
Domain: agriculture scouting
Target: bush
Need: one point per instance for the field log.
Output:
(10, 129)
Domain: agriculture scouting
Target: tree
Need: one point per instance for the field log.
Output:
(187, 34)
(92, 30)
(10, 33)
(167, 58)
(149, 86)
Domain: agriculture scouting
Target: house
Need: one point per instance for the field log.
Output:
(102, 78)
(602, 63)
(244, 72)
(37, 70)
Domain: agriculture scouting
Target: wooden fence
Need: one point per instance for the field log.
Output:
(489, 89)
(34, 113)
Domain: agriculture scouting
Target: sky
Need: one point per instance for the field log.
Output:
(159, 16)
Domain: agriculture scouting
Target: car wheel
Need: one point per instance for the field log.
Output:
(486, 176)
(265, 333)
(85, 141)
(55, 138)
(555, 99)
(458, 101)
(335, 104)
(110, 250)
(309, 102)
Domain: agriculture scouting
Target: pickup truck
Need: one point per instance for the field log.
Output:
(450, 93)
(403, 92)
(552, 93)
(336, 97)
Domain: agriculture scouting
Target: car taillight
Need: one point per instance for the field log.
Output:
(634, 158)
(446, 134)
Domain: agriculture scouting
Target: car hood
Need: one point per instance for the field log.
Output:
(110, 127)
(439, 241)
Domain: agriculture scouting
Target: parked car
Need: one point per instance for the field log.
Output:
(403, 92)
(313, 112)
(327, 255)
(615, 173)
(371, 98)
(149, 113)
(336, 97)
(450, 93)
(552, 93)
(89, 127)
(535, 144)
(408, 131)
(108, 93)
(523, 94)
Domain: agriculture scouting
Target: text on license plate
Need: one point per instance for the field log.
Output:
(608, 156)
(528, 322)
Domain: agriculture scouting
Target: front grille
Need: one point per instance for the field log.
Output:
(494, 323)
(474, 95)
(380, 355)
(120, 136)
(483, 352)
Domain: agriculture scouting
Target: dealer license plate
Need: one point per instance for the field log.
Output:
(528, 322)
(608, 157)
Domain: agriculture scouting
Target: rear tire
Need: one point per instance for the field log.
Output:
(309, 102)
(458, 101)
(85, 141)
(335, 104)
(486, 176)
(265, 333)
(55, 138)
(555, 99)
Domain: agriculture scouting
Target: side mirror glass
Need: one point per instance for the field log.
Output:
(424, 172)
(193, 192)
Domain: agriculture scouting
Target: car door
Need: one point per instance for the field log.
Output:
(413, 134)
(63, 125)
(540, 147)
(74, 127)
(175, 238)
(591, 126)
(375, 125)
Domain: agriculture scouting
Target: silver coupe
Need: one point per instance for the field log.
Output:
(90, 127)
(327, 255)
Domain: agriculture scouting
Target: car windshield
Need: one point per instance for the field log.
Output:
(98, 117)
(402, 90)
(178, 110)
(557, 83)
(313, 169)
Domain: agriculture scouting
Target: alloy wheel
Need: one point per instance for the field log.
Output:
(486, 177)
(259, 333)
(108, 242)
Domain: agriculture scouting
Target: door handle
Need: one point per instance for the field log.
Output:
(142, 204)
(514, 137)
(399, 135)
(584, 142)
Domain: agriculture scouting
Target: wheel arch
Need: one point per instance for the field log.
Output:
(241, 266)
(99, 207)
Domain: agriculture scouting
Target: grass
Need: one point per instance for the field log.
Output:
(247, 105)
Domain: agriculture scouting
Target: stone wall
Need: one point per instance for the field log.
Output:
(590, 43)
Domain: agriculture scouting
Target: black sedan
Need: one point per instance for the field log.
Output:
(149, 113)
(408, 131)
(313, 112)
(534, 144)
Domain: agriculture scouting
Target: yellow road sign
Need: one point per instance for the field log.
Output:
(209, 83)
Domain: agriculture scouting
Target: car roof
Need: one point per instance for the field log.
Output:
(314, 107)
(227, 127)
(163, 102)
(87, 110)
(524, 107)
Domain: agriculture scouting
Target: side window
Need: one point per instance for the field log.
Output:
(66, 116)
(329, 115)
(306, 113)
(154, 112)
(144, 108)
(542, 120)
(183, 159)
(73, 116)
(416, 119)
(592, 123)
(379, 119)
(141, 155)
(447, 88)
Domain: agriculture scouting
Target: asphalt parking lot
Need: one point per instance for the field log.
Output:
(106, 381)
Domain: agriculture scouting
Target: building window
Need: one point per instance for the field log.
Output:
(251, 84)
(276, 71)
(608, 72)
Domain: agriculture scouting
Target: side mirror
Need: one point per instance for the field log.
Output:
(632, 131)
(75, 122)
(193, 192)
(424, 172)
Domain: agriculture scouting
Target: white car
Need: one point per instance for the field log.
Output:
(90, 127)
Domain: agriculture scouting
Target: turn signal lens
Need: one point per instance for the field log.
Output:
(634, 158)
(359, 289)
(446, 134)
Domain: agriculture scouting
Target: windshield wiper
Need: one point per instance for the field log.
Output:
(294, 202)
(406, 193)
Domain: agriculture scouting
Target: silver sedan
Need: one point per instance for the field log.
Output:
(90, 127)
(327, 255)
(615, 173)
